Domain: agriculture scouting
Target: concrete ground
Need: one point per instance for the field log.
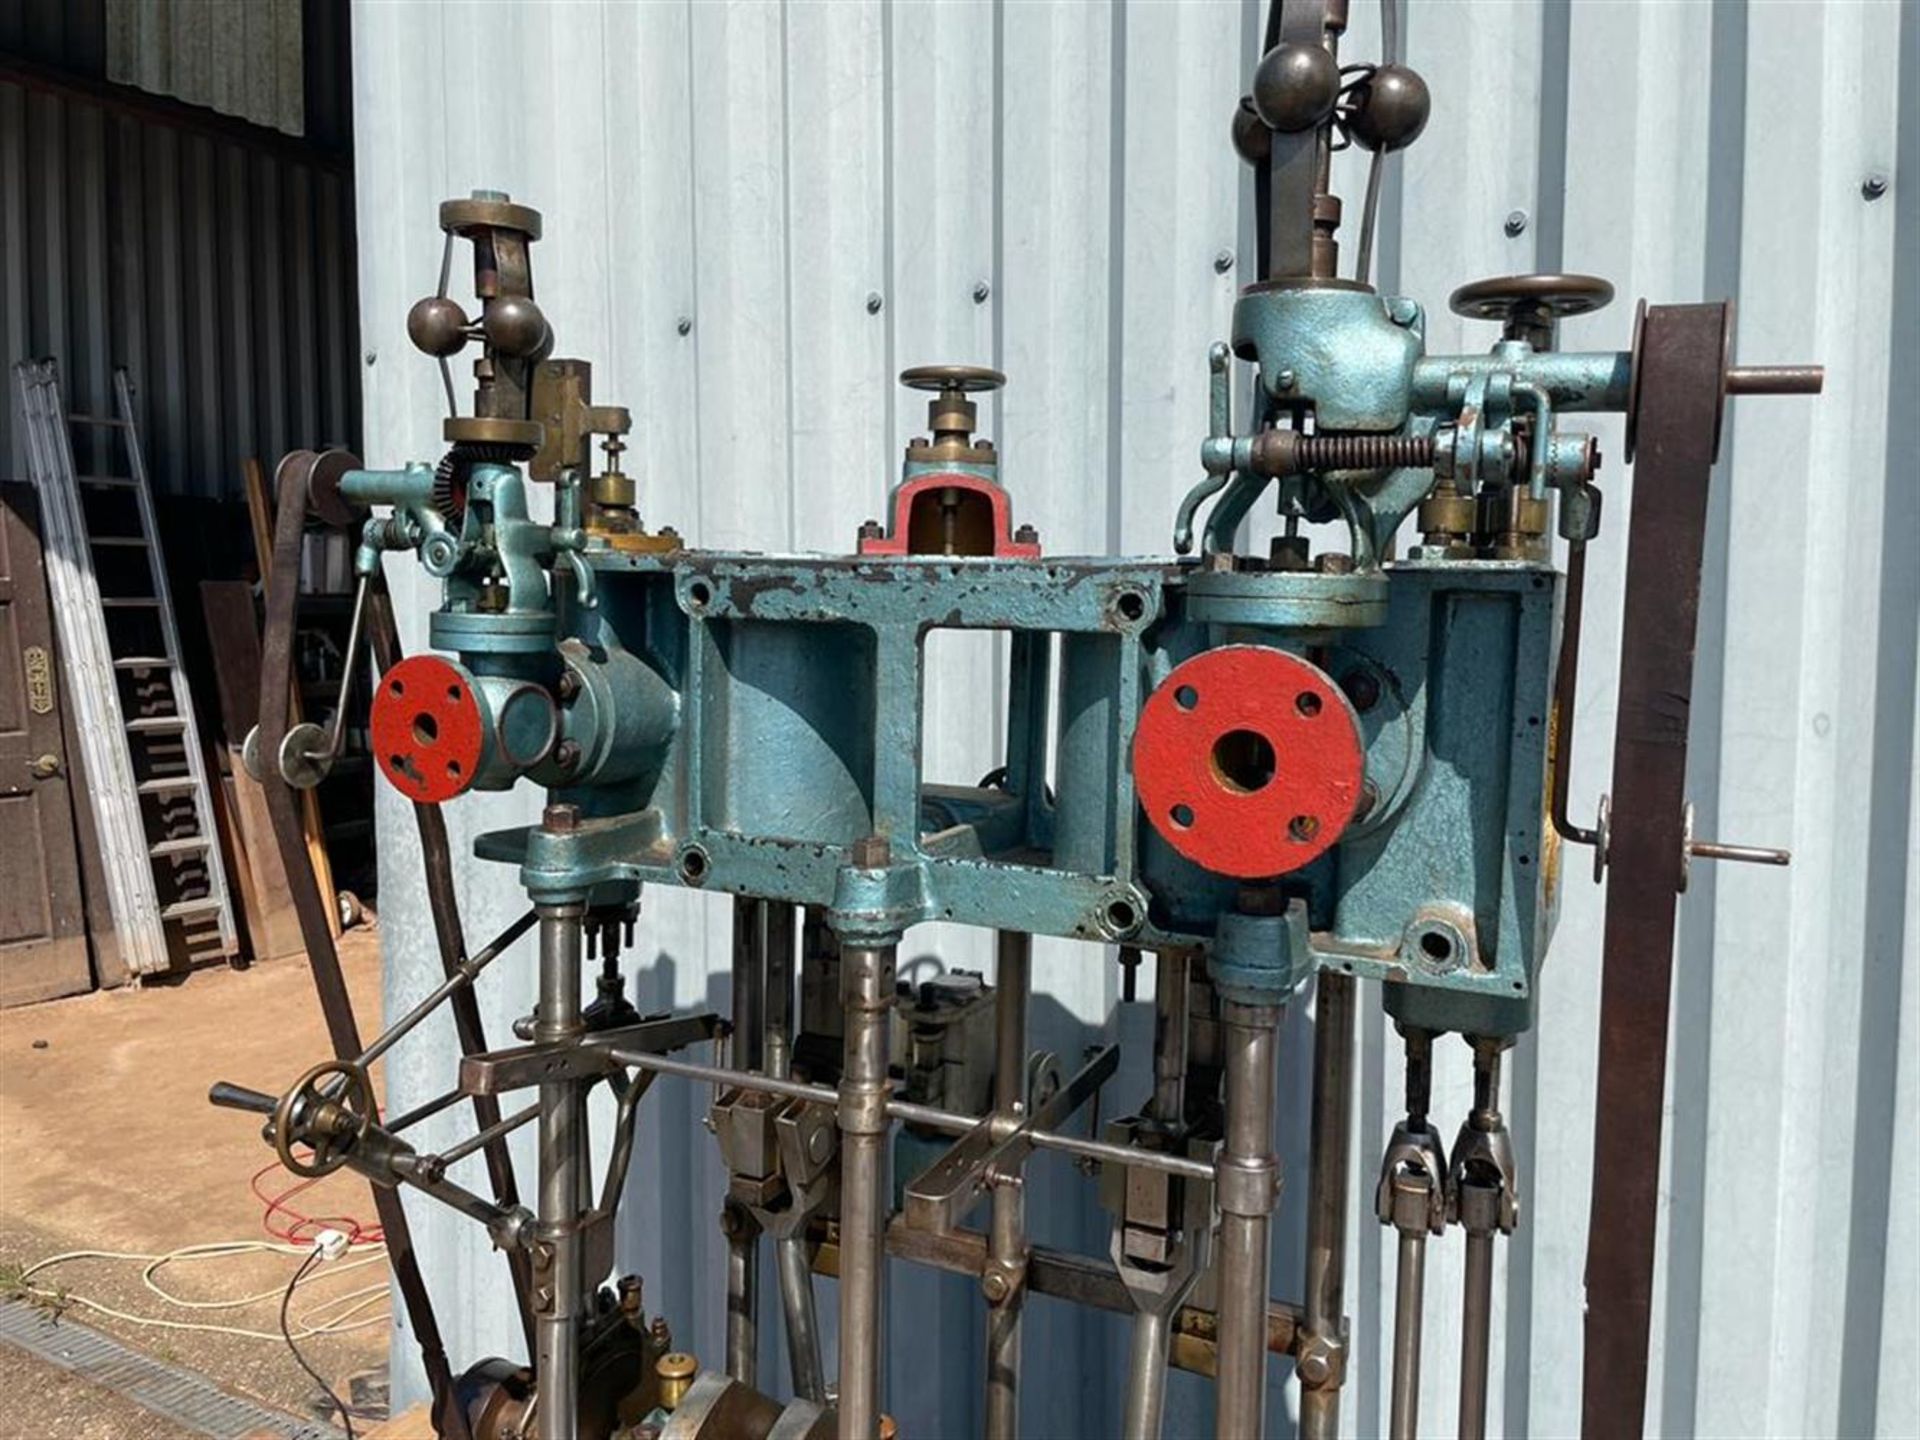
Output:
(107, 1143)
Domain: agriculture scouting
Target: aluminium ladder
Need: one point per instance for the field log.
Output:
(155, 755)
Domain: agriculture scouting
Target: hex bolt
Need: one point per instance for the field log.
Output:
(874, 302)
(981, 290)
(684, 325)
(568, 685)
(561, 819)
(1874, 186)
(870, 530)
(1026, 535)
(872, 852)
(1285, 380)
(1222, 262)
(995, 1287)
(1516, 225)
(567, 754)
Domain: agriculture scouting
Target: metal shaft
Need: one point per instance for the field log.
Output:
(1007, 1239)
(558, 1281)
(1408, 1305)
(1147, 1376)
(1171, 976)
(866, 980)
(1475, 1330)
(743, 1235)
(792, 1267)
(1321, 1365)
(743, 1295)
(1247, 1175)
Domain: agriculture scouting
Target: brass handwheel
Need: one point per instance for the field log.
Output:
(328, 1120)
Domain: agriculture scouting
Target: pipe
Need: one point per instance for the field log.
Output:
(866, 985)
(563, 1158)
(1007, 1241)
(1320, 1368)
(1247, 1180)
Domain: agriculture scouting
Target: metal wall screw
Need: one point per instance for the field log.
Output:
(1516, 222)
(874, 302)
(1873, 187)
(981, 290)
(1223, 262)
(373, 355)
(684, 325)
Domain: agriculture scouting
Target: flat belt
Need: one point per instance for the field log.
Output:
(336, 1006)
(1681, 367)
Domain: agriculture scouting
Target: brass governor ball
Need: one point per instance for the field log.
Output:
(1251, 137)
(1296, 87)
(1390, 108)
(437, 325)
(515, 326)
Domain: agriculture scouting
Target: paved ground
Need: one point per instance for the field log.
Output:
(107, 1143)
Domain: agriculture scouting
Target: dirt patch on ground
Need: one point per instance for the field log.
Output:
(107, 1143)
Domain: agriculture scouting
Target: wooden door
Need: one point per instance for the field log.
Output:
(43, 938)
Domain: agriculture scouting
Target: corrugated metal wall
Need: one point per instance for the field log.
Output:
(762, 170)
(213, 258)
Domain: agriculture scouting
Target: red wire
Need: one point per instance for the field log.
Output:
(299, 1229)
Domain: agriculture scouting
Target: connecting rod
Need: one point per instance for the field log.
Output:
(866, 981)
(1412, 1199)
(741, 1230)
(558, 1279)
(1005, 1279)
(1322, 1359)
(1247, 1180)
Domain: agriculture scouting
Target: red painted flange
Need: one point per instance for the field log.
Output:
(427, 728)
(1248, 761)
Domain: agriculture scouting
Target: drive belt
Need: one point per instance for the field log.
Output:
(292, 484)
(1680, 371)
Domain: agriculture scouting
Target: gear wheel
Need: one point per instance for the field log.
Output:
(450, 475)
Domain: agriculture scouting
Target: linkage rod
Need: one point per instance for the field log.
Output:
(946, 1121)
(468, 972)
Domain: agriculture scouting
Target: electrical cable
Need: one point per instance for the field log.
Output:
(310, 1324)
(286, 1333)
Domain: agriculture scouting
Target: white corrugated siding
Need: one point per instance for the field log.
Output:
(762, 169)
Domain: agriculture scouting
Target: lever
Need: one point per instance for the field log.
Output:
(239, 1097)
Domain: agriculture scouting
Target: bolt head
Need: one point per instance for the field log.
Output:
(561, 818)
(1285, 380)
(870, 530)
(874, 302)
(1026, 535)
(1313, 1368)
(1516, 223)
(872, 852)
(1874, 186)
(684, 325)
(567, 754)
(1222, 262)
(981, 291)
(995, 1287)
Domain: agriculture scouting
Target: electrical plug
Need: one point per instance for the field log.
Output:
(330, 1244)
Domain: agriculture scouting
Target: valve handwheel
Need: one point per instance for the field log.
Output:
(1504, 296)
(967, 379)
(328, 1119)
(1248, 761)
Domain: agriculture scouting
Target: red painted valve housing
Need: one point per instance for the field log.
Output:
(1248, 761)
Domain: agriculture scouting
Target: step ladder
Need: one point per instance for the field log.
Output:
(152, 808)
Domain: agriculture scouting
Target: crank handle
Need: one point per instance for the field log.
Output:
(239, 1097)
